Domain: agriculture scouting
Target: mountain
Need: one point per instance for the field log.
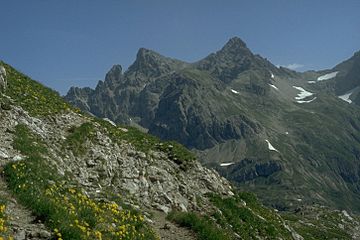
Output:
(348, 78)
(343, 80)
(69, 175)
(284, 135)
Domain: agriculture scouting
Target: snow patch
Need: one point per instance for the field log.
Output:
(272, 75)
(308, 101)
(273, 86)
(124, 129)
(271, 147)
(234, 91)
(327, 76)
(109, 121)
(346, 96)
(346, 214)
(287, 133)
(226, 164)
(311, 81)
(303, 93)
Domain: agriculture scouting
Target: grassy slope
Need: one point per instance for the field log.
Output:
(241, 215)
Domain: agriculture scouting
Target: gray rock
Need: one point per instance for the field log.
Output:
(162, 208)
(20, 235)
(44, 234)
(17, 158)
(3, 154)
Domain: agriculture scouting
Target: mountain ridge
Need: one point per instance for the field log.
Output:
(236, 104)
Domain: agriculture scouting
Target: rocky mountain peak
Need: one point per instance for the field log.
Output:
(234, 49)
(115, 70)
(150, 64)
(113, 77)
(144, 52)
(146, 57)
(229, 61)
(235, 42)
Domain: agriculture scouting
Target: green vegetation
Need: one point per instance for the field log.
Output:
(33, 96)
(204, 227)
(320, 224)
(65, 208)
(250, 220)
(4, 232)
(78, 136)
(244, 216)
(240, 215)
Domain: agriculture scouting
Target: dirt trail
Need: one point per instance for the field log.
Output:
(22, 224)
(168, 230)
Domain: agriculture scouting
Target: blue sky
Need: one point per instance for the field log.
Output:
(74, 43)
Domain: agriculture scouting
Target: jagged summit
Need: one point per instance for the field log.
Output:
(142, 52)
(233, 49)
(146, 58)
(235, 42)
(116, 70)
(229, 61)
(113, 77)
(151, 64)
(144, 55)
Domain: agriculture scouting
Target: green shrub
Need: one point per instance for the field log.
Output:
(77, 138)
(204, 228)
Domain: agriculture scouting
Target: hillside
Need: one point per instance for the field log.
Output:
(287, 136)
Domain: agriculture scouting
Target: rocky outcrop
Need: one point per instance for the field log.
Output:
(3, 81)
(79, 97)
(152, 178)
